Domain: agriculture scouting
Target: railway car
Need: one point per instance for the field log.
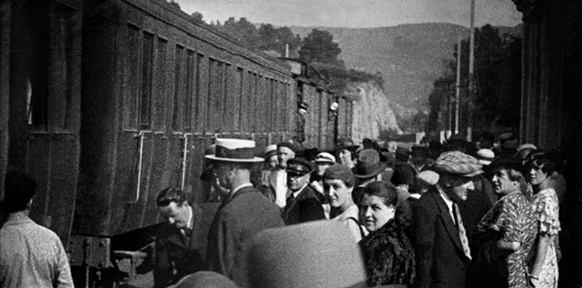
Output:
(107, 102)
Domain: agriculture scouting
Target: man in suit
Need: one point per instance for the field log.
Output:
(304, 203)
(243, 213)
(178, 241)
(442, 248)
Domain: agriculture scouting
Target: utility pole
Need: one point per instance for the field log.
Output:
(458, 86)
(471, 88)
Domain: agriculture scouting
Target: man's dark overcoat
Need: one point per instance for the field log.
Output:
(239, 218)
(440, 261)
(174, 250)
(303, 208)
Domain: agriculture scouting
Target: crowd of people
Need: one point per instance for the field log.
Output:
(452, 214)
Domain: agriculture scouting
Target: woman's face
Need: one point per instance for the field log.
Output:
(374, 214)
(537, 176)
(502, 184)
(337, 193)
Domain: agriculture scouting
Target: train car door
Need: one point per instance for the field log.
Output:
(44, 87)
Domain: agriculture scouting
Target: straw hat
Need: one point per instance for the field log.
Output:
(235, 150)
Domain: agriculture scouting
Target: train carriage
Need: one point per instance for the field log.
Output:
(107, 102)
(40, 84)
(156, 89)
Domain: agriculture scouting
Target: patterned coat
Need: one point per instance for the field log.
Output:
(388, 256)
(512, 219)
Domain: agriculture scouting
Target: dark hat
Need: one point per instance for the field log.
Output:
(235, 150)
(402, 153)
(369, 164)
(299, 166)
(346, 143)
(340, 172)
(419, 149)
(301, 256)
(458, 163)
(506, 161)
(404, 173)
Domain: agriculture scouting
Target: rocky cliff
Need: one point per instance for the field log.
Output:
(373, 113)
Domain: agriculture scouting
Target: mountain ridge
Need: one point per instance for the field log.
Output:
(409, 56)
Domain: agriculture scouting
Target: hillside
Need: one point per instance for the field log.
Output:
(410, 57)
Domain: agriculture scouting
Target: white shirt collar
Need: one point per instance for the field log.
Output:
(300, 190)
(189, 226)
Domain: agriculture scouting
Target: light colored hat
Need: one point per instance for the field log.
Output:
(313, 254)
(427, 177)
(325, 157)
(485, 156)
(458, 163)
(234, 150)
(270, 150)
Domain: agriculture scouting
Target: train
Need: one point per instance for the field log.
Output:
(106, 102)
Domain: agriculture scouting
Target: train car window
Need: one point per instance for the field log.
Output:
(210, 106)
(238, 94)
(179, 62)
(132, 77)
(190, 96)
(145, 103)
(49, 58)
(227, 102)
(33, 56)
(199, 104)
(60, 67)
(160, 79)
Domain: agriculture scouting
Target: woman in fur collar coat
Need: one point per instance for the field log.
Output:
(388, 254)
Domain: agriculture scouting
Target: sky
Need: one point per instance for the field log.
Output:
(356, 13)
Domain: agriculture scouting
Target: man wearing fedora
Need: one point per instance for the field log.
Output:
(368, 169)
(243, 213)
(303, 203)
(442, 249)
(419, 158)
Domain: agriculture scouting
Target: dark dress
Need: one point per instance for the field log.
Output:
(388, 256)
(512, 219)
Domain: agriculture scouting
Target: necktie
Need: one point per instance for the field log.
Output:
(462, 232)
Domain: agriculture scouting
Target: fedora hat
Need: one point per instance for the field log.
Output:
(346, 143)
(234, 150)
(301, 256)
(369, 164)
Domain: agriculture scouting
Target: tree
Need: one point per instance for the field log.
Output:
(318, 46)
(196, 17)
(497, 83)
